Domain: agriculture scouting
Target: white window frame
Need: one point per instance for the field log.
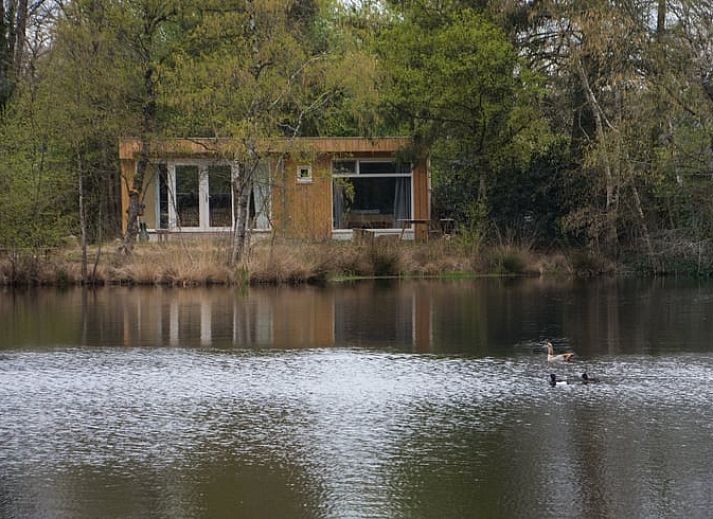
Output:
(308, 178)
(203, 195)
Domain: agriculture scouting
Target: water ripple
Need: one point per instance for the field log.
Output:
(363, 430)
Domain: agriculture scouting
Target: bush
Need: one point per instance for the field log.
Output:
(588, 263)
(507, 260)
(386, 261)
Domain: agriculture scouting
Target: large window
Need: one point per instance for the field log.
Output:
(187, 196)
(198, 195)
(370, 194)
(220, 196)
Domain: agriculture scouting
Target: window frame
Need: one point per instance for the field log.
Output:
(203, 195)
(304, 180)
(346, 233)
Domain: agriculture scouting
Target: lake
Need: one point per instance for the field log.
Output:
(373, 399)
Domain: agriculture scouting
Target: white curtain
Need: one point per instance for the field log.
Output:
(402, 200)
(261, 196)
(338, 205)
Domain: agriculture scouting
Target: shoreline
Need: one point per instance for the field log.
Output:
(204, 263)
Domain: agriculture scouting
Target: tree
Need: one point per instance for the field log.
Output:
(246, 73)
(146, 33)
(454, 81)
(24, 28)
(91, 81)
(35, 209)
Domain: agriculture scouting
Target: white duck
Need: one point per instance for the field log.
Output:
(560, 357)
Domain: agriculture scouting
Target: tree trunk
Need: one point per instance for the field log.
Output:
(707, 83)
(242, 189)
(660, 18)
(137, 186)
(100, 236)
(11, 34)
(5, 57)
(3, 46)
(644, 227)
(609, 177)
(20, 35)
(3, 39)
(82, 223)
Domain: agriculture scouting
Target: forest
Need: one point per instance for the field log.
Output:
(559, 124)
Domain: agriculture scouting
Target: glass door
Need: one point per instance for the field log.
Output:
(220, 198)
(187, 181)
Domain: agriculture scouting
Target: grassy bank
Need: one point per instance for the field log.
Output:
(189, 263)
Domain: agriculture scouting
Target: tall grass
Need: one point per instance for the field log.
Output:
(176, 263)
(205, 262)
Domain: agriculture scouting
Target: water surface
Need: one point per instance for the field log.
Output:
(418, 399)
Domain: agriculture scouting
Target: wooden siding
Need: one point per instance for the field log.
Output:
(298, 209)
(129, 148)
(304, 319)
(149, 215)
(303, 209)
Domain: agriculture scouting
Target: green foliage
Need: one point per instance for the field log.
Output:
(455, 82)
(511, 263)
(530, 201)
(93, 78)
(35, 209)
(512, 151)
(472, 227)
(240, 71)
(351, 31)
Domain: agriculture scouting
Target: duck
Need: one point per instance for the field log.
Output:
(586, 379)
(560, 357)
(554, 382)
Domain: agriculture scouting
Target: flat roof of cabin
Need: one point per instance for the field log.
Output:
(188, 147)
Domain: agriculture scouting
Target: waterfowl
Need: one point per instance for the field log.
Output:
(560, 357)
(586, 379)
(554, 382)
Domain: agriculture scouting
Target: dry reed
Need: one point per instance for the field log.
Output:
(175, 263)
(202, 262)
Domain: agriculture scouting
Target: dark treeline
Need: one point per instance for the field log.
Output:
(552, 124)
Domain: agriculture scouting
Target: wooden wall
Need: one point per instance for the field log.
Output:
(298, 209)
(196, 148)
(303, 209)
(128, 170)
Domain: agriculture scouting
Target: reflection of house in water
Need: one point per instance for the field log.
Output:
(361, 315)
(378, 316)
(200, 317)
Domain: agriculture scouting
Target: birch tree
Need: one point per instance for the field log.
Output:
(249, 74)
(146, 31)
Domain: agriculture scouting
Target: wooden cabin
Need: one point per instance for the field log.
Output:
(312, 188)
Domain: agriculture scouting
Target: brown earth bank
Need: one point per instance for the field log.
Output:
(205, 262)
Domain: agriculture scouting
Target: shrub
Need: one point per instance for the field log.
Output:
(386, 261)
